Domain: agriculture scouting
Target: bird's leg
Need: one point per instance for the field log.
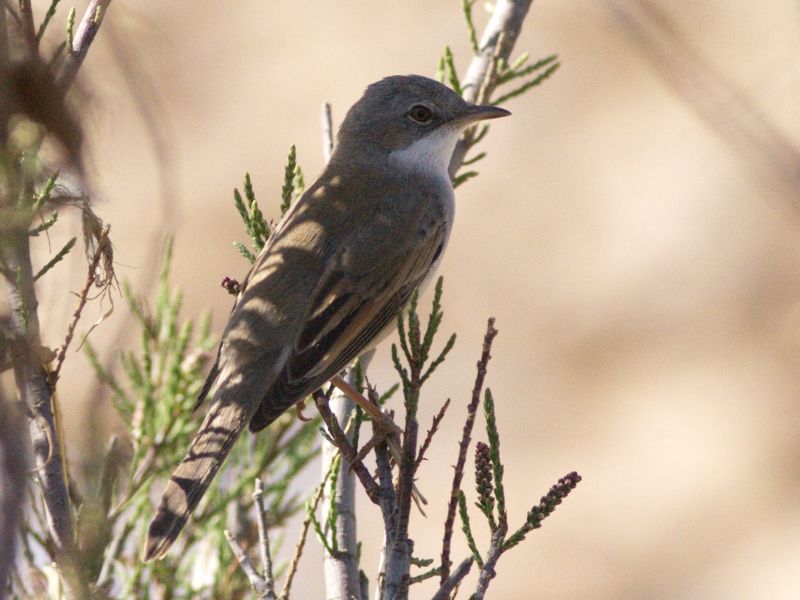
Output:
(374, 411)
(386, 429)
(371, 408)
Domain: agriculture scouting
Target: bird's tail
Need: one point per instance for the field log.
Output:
(225, 420)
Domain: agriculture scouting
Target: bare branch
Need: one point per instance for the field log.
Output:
(496, 44)
(84, 36)
(487, 572)
(341, 568)
(35, 391)
(257, 582)
(431, 432)
(263, 584)
(263, 537)
(453, 580)
(472, 408)
(13, 479)
(399, 547)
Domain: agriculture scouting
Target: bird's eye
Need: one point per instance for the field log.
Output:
(420, 113)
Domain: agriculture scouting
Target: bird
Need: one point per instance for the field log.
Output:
(333, 275)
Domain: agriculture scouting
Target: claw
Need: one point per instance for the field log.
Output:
(299, 406)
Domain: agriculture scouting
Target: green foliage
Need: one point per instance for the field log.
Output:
(289, 176)
(494, 452)
(549, 65)
(155, 401)
(463, 178)
(416, 346)
(70, 28)
(253, 219)
(256, 226)
(332, 509)
(56, 259)
(299, 182)
(44, 225)
(450, 70)
(44, 194)
(441, 70)
(467, 529)
(489, 481)
(466, 8)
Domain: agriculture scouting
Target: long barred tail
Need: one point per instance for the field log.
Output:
(222, 426)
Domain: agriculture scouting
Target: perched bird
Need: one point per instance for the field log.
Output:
(332, 276)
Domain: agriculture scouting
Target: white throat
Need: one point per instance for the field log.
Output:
(429, 155)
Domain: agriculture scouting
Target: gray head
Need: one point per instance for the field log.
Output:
(399, 111)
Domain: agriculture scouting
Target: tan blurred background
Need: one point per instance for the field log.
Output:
(634, 230)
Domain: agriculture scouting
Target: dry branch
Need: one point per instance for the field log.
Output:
(463, 447)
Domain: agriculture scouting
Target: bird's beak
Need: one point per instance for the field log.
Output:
(476, 112)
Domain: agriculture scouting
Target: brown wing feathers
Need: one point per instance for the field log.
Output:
(346, 313)
(342, 323)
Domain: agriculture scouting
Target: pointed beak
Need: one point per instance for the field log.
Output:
(476, 112)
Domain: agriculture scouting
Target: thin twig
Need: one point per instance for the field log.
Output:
(263, 536)
(27, 27)
(431, 432)
(257, 582)
(347, 450)
(83, 298)
(82, 40)
(449, 584)
(472, 408)
(544, 509)
(371, 408)
(298, 551)
(262, 584)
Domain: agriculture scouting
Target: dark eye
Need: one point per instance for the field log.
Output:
(420, 113)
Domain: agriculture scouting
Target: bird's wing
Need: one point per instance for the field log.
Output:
(263, 256)
(349, 309)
